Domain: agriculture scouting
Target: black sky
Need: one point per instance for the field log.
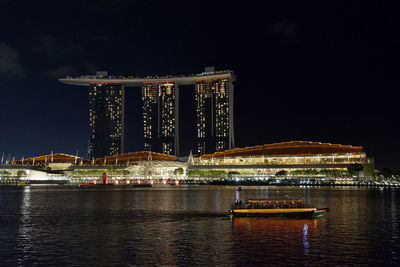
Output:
(307, 70)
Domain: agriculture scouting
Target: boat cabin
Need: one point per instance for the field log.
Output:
(270, 204)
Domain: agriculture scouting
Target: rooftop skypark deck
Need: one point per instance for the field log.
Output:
(132, 81)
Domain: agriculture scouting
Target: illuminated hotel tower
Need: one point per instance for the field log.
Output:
(214, 109)
(160, 96)
(106, 119)
(160, 117)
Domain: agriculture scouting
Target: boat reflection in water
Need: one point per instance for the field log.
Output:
(275, 238)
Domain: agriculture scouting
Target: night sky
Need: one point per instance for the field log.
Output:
(307, 70)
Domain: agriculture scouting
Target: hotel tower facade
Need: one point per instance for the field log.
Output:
(160, 101)
(214, 110)
(160, 117)
(106, 120)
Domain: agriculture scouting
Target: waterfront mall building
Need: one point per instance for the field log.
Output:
(296, 160)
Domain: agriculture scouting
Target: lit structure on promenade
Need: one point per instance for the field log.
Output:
(126, 168)
(293, 157)
(299, 160)
(160, 96)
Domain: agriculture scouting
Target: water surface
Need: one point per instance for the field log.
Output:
(62, 225)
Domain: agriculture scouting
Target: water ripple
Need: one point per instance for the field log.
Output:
(190, 226)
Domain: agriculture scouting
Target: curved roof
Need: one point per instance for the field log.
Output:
(292, 148)
(134, 156)
(137, 82)
(119, 159)
(55, 158)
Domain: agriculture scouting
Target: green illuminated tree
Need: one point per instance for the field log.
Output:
(354, 169)
(281, 173)
(369, 170)
(178, 171)
(21, 173)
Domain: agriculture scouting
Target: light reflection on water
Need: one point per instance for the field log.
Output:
(261, 239)
(24, 241)
(305, 241)
(190, 226)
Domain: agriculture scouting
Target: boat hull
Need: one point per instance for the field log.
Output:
(86, 185)
(282, 213)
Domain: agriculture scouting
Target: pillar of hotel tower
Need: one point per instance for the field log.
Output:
(214, 109)
(160, 117)
(106, 119)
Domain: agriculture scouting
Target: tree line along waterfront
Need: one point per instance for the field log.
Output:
(355, 174)
(351, 171)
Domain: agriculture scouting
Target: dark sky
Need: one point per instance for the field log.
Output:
(307, 70)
